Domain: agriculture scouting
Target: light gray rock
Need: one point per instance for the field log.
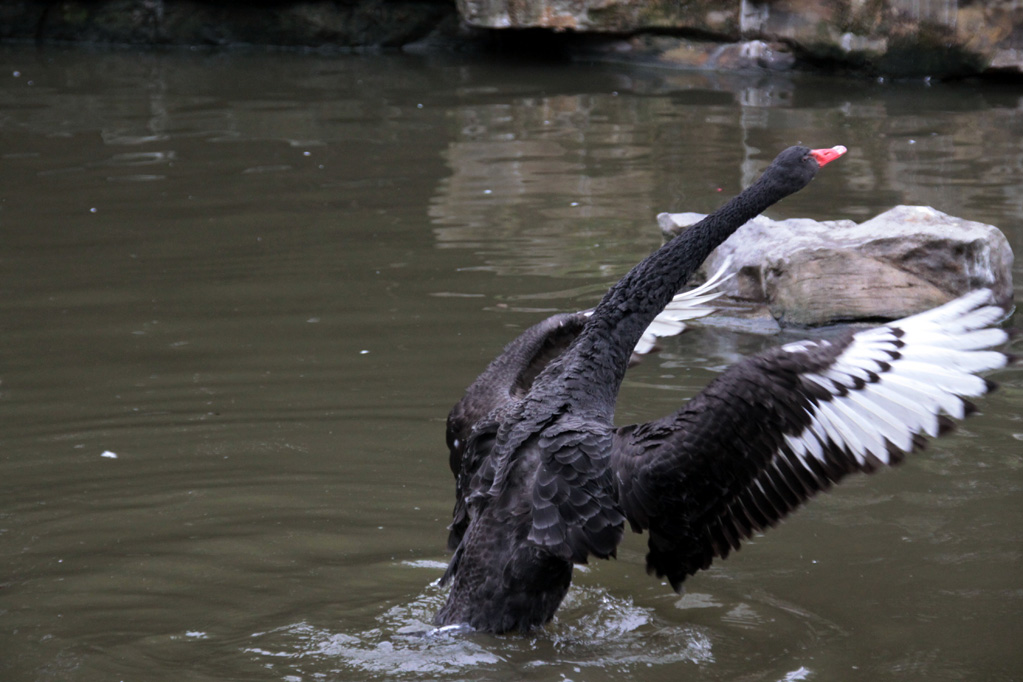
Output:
(906, 260)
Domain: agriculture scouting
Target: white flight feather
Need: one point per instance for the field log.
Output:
(945, 379)
(925, 405)
(938, 399)
(847, 437)
(963, 361)
(687, 305)
(973, 340)
(893, 430)
(905, 380)
(955, 308)
(865, 432)
(846, 374)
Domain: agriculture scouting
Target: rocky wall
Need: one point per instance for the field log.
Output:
(303, 23)
(939, 38)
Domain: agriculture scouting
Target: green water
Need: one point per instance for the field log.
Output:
(261, 280)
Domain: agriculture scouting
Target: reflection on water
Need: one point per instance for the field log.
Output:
(262, 280)
(550, 171)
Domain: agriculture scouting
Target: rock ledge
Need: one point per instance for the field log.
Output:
(901, 262)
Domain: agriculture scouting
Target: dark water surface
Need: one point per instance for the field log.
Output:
(261, 280)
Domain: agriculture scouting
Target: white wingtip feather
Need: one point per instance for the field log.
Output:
(894, 382)
(688, 305)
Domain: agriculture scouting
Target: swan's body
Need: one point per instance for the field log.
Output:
(545, 480)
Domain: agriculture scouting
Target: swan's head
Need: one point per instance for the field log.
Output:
(795, 167)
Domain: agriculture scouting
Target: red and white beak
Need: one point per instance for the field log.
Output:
(826, 156)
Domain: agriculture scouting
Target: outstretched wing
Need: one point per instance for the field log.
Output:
(781, 426)
(507, 378)
(473, 421)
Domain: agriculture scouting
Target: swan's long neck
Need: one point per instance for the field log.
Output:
(592, 370)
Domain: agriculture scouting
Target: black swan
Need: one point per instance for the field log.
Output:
(544, 479)
(511, 374)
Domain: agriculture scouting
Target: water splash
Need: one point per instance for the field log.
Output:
(593, 629)
(596, 628)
